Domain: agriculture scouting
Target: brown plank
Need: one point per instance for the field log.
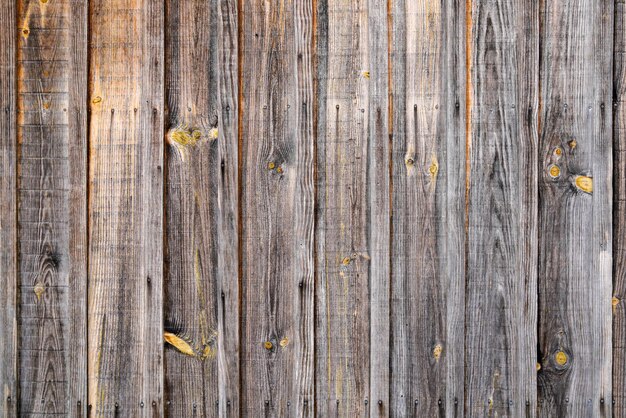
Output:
(52, 253)
(352, 228)
(619, 211)
(575, 209)
(277, 208)
(428, 84)
(201, 279)
(8, 211)
(502, 208)
(126, 208)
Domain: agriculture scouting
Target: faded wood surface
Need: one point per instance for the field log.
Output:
(575, 242)
(428, 252)
(501, 304)
(312, 208)
(8, 211)
(52, 140)
(619, 212)
(352, 229)
(276, 208)
(200, 285)
(126, 208)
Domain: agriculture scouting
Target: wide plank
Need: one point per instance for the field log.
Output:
(126, 208)
(501, 299)
(201, 306)
(353, 217)
(575, 209)
(428, 242)
(277, 212)
(52, 224)
(8, 210)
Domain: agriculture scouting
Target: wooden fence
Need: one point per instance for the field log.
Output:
(313, 208)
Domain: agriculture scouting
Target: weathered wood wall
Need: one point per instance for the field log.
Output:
(312, 208)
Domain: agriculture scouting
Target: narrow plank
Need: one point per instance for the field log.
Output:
(201, 302)
(353, 224)
(575, 209)
(428, 252)
(8, 211)
(619, 211)
(52, 162)
(126, 208)
(277, 200)
(501, 284)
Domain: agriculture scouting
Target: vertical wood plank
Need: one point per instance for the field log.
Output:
(619, 208)
(277, 208)
(575, 209)
(352, 228)
(201, 279)
(8, 211)
(428, 242)
(502, 208)
(52, 138)
(126, 208)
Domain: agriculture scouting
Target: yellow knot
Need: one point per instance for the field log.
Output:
(25, 32)
(213, 133)
(284, 342)
(572, 144)
(437, 352)
(538, 366)
(180, 344)
(279, 170)
(268, 345)
(39, 289)
(584, 183)
(561, 358)
(554, 171)
(558, 151)
(434, 167)
(96, 100)
(614, 301)
(366, 74)
(346, 261)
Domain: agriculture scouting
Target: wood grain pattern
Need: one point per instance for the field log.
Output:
(52, 139)
(277, 208)
(353, 224)
(619, 211)
(126, 208)
(201, 279)
(500, 345)
(8, 211)
(428, 242)
(575, 241)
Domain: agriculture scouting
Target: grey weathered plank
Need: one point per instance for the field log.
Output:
(126, 208)
(428, 243)
(502, 208)
(619, 211)
(353, 224)
(277, 200)
(575, 207)
(52, 48)
(201, 303)
(8, 211)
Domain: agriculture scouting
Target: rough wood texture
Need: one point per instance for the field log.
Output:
(126, 208)
(502, 214)
(8, 211)
(52, 139)
(619, 211)
(575, 199)
(428, 253)
(353, 224)
(277, 208)
(201, 279)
